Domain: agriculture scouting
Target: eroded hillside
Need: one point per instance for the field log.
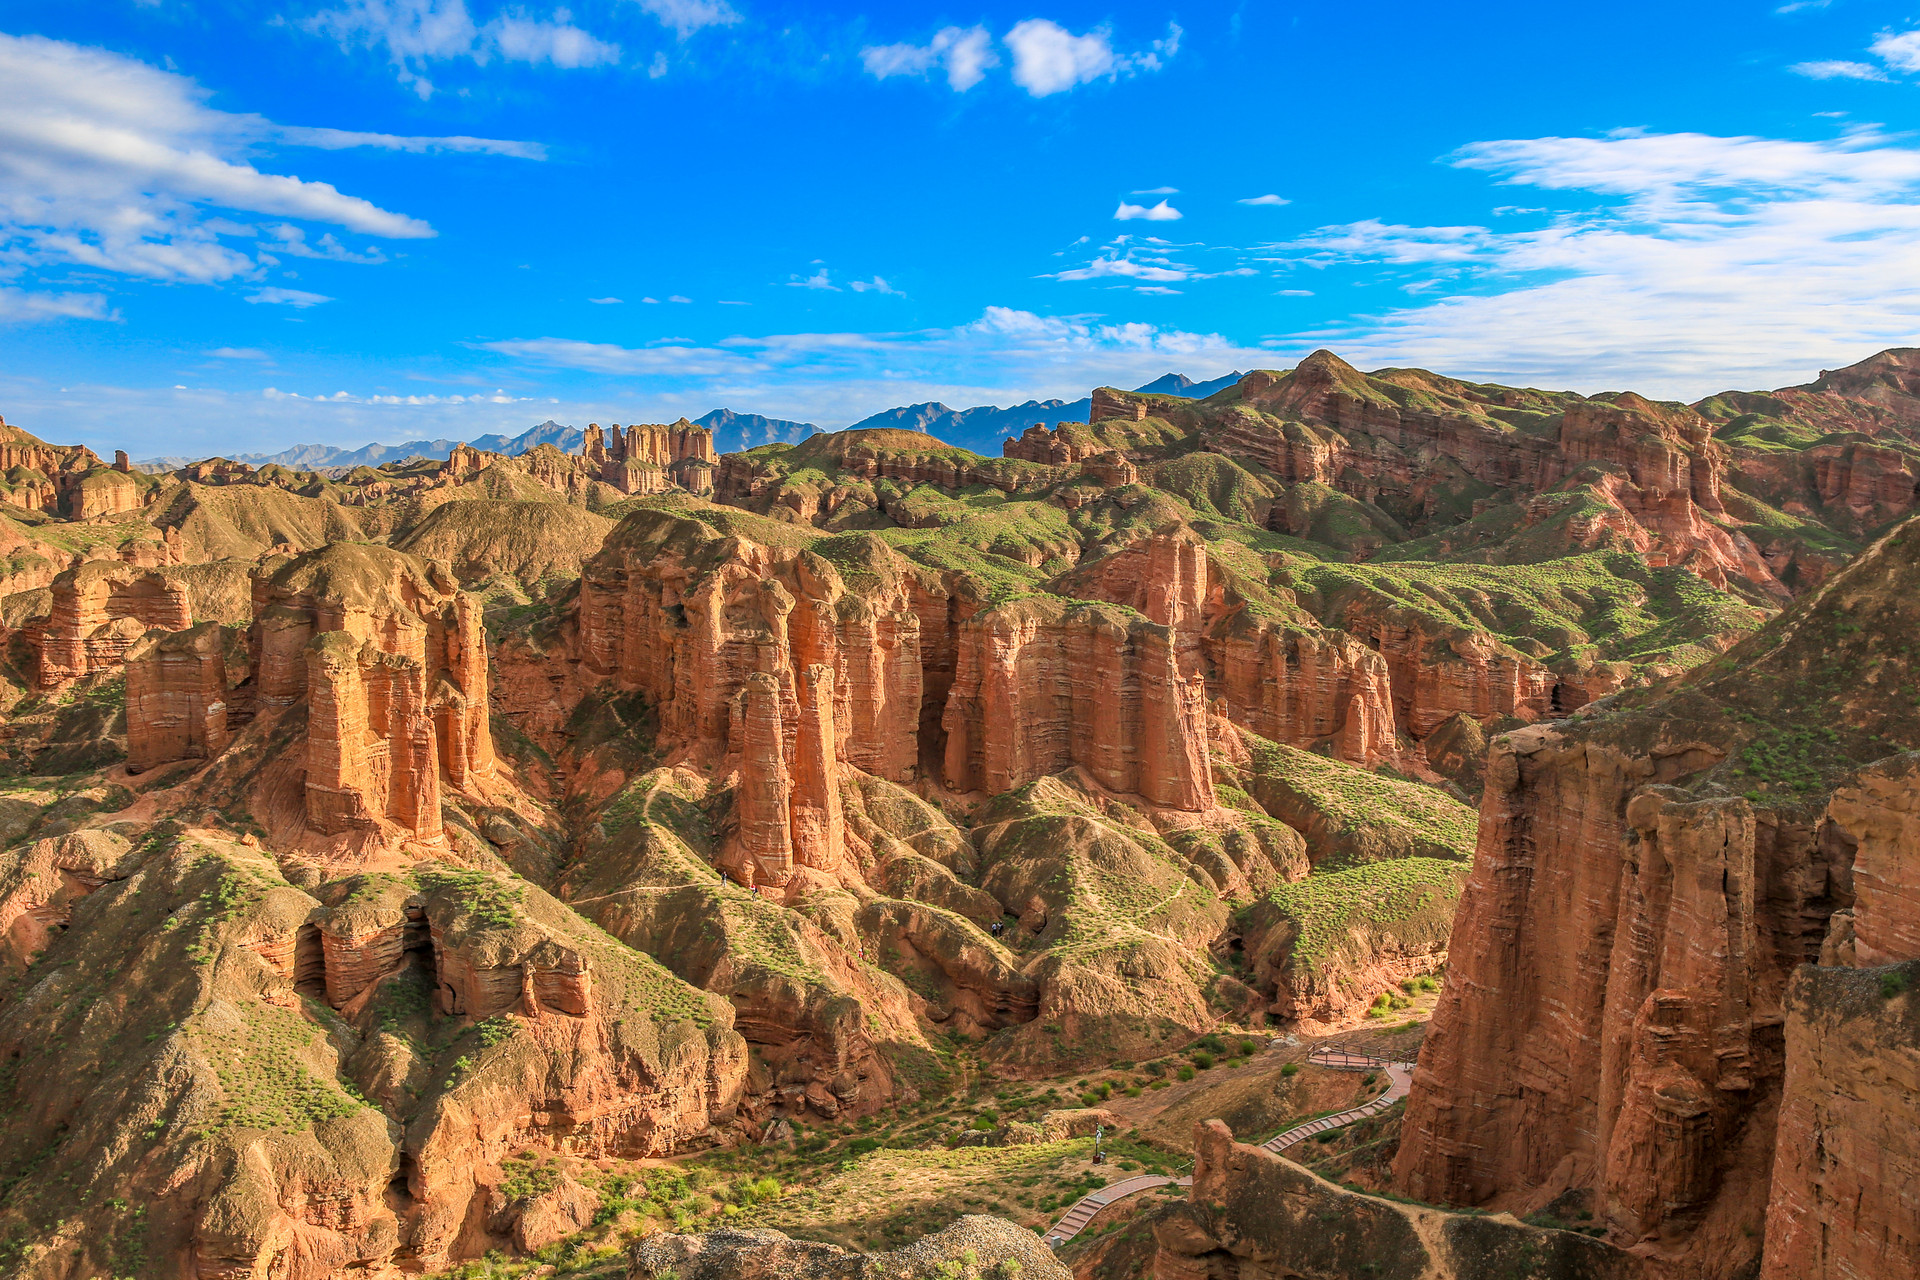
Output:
(399, 858)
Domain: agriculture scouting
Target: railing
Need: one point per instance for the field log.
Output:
(1334, 1057)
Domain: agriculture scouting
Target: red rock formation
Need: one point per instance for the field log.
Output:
(910, 457)
(390, 656)
(819, 827)
(1301, 684)
(178, 690)
(1846, 1161)
(1042, 685)
(1062, 446)
(761, 850)
(1631, 1056)
(650, 459)
(1108, 403)
(691, 618)
(99, 610)
(463, 463)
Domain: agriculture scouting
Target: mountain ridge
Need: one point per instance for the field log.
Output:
(980, 428)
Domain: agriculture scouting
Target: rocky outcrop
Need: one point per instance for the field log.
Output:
(1251, 1212)
(1043, 685)
(1616, 1016)
(651, 459)
(1648, 1032)
(49, 477)
(39, 886)
(1301, 685)
(717, 632)
(389, 656)
(99, 610)
(180, 699)
(1846, 1155)
(975, 1244)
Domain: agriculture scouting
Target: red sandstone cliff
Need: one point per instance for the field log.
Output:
(1622, 1023)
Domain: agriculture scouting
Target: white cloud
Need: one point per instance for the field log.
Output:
(658, 67)
(339, 139)
(876, 285)
(288, 297)
(1154, 288)
(965, 53)
(1108, 265)
(523, 39)
(1898, 49)
(416, 33)
(684, 17)
(1836, 70)
(108, 163)
(348, 397)
(23, 305)
(1266, 199)
(1157, 191)
(239, 353)
(1049, 59)
(818, 280)
(608, 302)
(1162, 212)
(837, 378)
(1708, 261)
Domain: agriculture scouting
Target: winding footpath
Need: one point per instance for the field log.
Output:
(1333, 1057)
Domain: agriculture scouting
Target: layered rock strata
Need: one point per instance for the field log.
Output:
(99, 611)
(180, 699)
(718, 633)
(390, 658)
(650, 459)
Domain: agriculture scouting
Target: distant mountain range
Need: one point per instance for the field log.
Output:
(981, 429)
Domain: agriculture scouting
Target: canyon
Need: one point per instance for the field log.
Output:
(392, 828)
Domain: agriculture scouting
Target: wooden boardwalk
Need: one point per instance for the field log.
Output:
(1334, 1057)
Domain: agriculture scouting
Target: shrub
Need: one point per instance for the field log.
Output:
(1892, 984)
(1203, 1060)
(1291, 1069)
(1186, 1073)
(1247, 1048)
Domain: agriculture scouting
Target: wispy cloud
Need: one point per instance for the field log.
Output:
(965, 52)
(348, 397)
(818, 280)
(288, 297)
(609, 302)
(834, 378)
(1157, 191)
(1162, 212)
(341, 139)
(684, 17)
(1707, 260)
(1835, 70)
(417, 33)
(18, 306)
(1266, 199)
(114, 165)
(1047, 57)
(876, 285)
(239, 353)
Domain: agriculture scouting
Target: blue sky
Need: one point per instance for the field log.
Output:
(230, 226)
